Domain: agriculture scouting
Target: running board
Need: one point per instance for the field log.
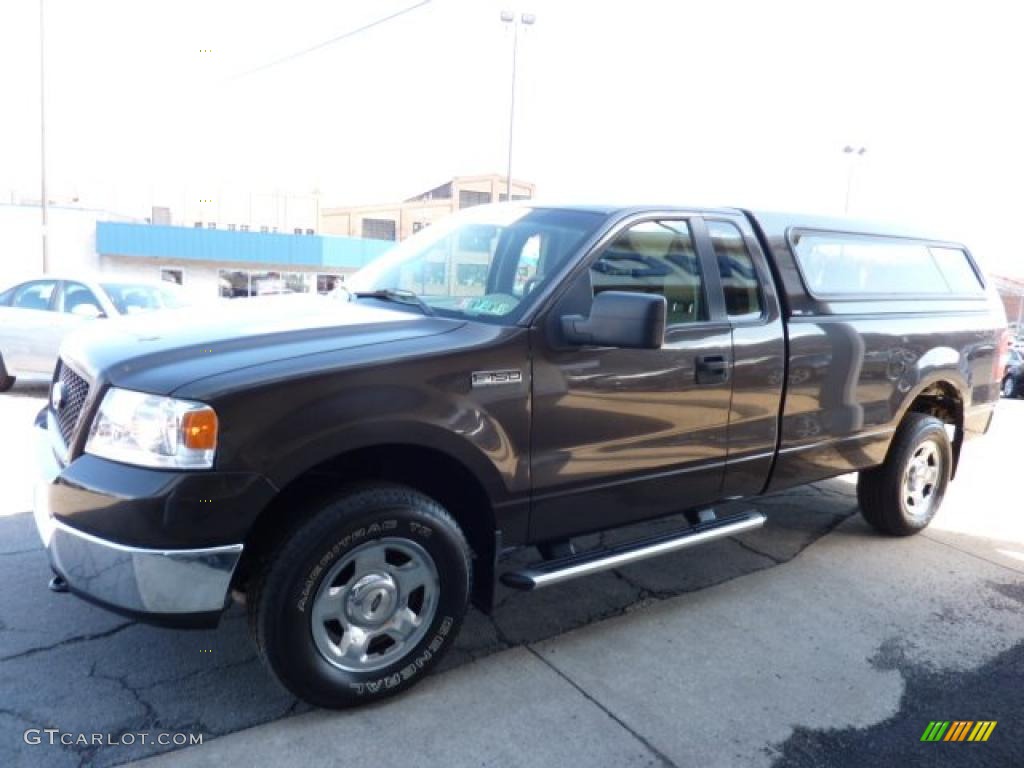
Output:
(548, 572)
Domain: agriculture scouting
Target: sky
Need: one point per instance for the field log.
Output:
(723, 103)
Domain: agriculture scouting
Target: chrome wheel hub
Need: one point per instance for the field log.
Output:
(375, 604)
(372, 599)
(921, 479)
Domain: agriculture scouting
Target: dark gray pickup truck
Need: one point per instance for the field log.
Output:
(354, 467)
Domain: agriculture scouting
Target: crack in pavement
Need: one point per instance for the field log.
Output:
(662, 757)
(756, 551)
(147, 721)
(68, 641)
(975, 555)
(17, 715)
(175, 679)
(21, 551)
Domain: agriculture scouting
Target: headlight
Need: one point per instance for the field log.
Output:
(153, 431)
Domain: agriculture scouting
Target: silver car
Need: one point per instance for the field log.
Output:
(36, 315)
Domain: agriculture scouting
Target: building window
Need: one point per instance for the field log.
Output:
(310, 232)
(231, 227)
(198, 225)
(472, 275)
(243, 227)
(233, 283)
(264, 229)
(379, 229)
(211, 225)
(504, 198)
(170, 275)
(298, 230)
(296, 282)
(468, 198)
(327, 283)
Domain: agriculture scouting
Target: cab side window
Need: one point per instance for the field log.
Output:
(739, 276)
(656, 257)
(34, 295)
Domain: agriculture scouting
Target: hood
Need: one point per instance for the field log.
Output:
(161, 351)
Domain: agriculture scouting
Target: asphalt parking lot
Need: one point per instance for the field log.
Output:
(811, 642)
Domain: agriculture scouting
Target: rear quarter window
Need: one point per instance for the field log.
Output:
(839, 264)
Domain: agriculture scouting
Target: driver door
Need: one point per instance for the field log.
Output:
(622, 435)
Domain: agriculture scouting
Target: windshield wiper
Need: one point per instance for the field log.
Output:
(399, 296)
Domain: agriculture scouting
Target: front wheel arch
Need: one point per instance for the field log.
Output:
(434, 473)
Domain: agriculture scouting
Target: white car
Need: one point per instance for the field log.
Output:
(36, 315)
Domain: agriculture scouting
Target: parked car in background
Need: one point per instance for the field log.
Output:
(1013, 374)
(36, 315)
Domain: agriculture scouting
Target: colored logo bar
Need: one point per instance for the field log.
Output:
(958, 730)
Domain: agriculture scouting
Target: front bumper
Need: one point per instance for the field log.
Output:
(179, 587)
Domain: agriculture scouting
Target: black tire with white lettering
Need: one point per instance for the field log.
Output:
(901, 496)
(361, 600)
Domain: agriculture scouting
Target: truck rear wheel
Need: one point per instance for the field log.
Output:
(364, 598)
(901, 496)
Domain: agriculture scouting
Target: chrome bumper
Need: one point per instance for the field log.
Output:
(157, 582)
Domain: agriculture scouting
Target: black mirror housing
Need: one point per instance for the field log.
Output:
(620, 319)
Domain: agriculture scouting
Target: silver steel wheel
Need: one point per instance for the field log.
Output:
(921, 479)
(375, 604)
(1008, 386)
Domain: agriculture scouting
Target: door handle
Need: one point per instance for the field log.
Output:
(712, 369)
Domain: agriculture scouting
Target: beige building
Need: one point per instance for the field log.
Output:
(396, 221)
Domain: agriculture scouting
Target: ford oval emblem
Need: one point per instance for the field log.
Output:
(57, 395)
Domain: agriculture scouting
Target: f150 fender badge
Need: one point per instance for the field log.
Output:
(493, 378)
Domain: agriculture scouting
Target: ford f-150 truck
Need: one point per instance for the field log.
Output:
(353, 467)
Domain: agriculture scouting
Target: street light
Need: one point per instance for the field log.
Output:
(525, 19)
(42, 133)
(854, 153)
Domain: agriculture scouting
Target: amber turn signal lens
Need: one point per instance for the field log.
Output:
(199, 428)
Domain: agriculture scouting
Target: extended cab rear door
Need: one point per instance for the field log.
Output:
(758, 352)
(621, 435)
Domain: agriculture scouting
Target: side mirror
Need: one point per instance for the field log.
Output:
(86, 310)
(620, 319)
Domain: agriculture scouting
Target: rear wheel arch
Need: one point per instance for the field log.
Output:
(942, 398)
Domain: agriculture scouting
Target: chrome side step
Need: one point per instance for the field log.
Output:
(549, 572)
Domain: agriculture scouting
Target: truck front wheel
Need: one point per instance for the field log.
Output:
(364, 598)
(901, 496)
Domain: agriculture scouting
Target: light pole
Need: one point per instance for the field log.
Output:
(854, 153)
(525, 19)
(42, 134)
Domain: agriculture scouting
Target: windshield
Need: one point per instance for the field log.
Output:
(481, 263)
(130, 298)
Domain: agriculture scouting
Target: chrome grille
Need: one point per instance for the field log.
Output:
(73, 392)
